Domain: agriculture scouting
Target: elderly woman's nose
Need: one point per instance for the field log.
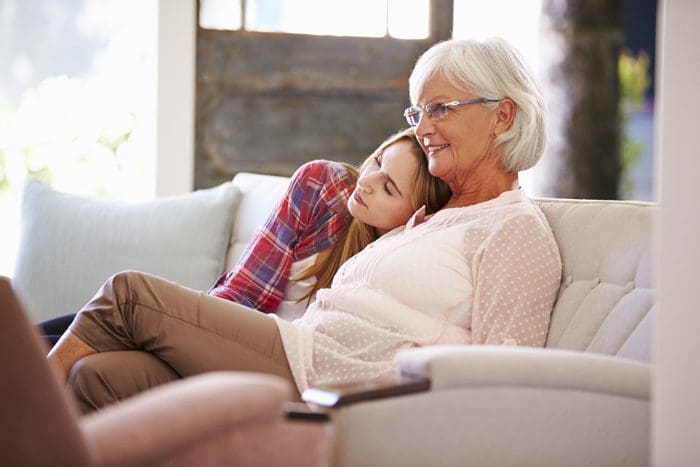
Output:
(425, 125)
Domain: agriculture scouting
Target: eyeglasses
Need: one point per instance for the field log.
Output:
(438, 110)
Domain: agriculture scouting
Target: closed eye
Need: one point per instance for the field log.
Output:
(389, 181)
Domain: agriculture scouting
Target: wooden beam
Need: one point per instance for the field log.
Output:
(441, 20)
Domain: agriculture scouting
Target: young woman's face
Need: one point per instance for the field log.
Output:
(382, 196)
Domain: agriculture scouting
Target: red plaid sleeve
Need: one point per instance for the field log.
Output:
(310, 217)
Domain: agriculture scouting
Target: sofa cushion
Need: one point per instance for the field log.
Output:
(606, 298)
(260, 194)
(70, 244)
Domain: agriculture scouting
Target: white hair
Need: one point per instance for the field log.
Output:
(492, 69)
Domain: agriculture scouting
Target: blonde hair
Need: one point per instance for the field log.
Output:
(427, 191)
(492, 69)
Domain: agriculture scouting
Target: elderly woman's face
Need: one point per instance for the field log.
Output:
(458, 144)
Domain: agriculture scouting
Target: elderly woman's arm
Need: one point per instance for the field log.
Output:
(517, 275)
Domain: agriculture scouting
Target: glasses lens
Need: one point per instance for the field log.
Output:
(412, 115)
(436, 111)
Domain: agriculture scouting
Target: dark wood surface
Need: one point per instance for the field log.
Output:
(345, 394)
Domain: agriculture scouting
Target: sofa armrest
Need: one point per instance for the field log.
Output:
(444, 367)
(183, 414)
(505, 406)
(459, 366)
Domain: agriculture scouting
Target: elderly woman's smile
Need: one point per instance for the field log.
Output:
(433, 149)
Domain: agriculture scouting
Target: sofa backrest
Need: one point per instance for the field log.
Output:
(606, 297)
(259, 195)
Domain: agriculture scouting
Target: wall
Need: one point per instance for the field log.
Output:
(175, 68)
(676, 385)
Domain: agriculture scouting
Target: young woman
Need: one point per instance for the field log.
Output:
(317, 225)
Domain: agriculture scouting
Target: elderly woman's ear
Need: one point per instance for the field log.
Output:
(505, 113)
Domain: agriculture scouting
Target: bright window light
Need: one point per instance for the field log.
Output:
(82, 121)
(220, 14)
(403, 19)
(408, 19)
(516, 21)
(363, 18)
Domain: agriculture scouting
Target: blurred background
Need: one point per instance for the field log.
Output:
(280, 82)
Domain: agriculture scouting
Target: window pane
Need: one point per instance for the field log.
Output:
(220, 14)
(365, 18)
(409, 19)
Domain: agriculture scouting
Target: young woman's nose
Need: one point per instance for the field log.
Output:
(368, 182)
(364, 184)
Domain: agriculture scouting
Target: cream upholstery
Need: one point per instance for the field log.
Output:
(606, 295)
(584, 400)
(260, 194)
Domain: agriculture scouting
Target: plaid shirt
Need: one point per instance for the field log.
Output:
(310, 217)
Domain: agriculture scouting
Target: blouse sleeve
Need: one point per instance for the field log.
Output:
(517, 276)
(310, 217)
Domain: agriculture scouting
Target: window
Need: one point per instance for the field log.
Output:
(405, 19)
(516, 21)
(76, 105)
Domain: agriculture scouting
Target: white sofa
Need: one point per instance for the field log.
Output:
(583, 400)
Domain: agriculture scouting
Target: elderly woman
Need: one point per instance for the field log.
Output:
(479, 116)
(483, 270)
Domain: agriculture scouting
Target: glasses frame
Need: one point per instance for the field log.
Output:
(416, 110)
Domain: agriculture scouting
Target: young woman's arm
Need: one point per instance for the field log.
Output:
(310, 217)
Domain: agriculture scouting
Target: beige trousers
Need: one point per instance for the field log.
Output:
(149, 331)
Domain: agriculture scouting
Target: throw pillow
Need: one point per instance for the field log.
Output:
(70, 245)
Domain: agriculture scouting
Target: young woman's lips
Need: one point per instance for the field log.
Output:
(359, 199)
